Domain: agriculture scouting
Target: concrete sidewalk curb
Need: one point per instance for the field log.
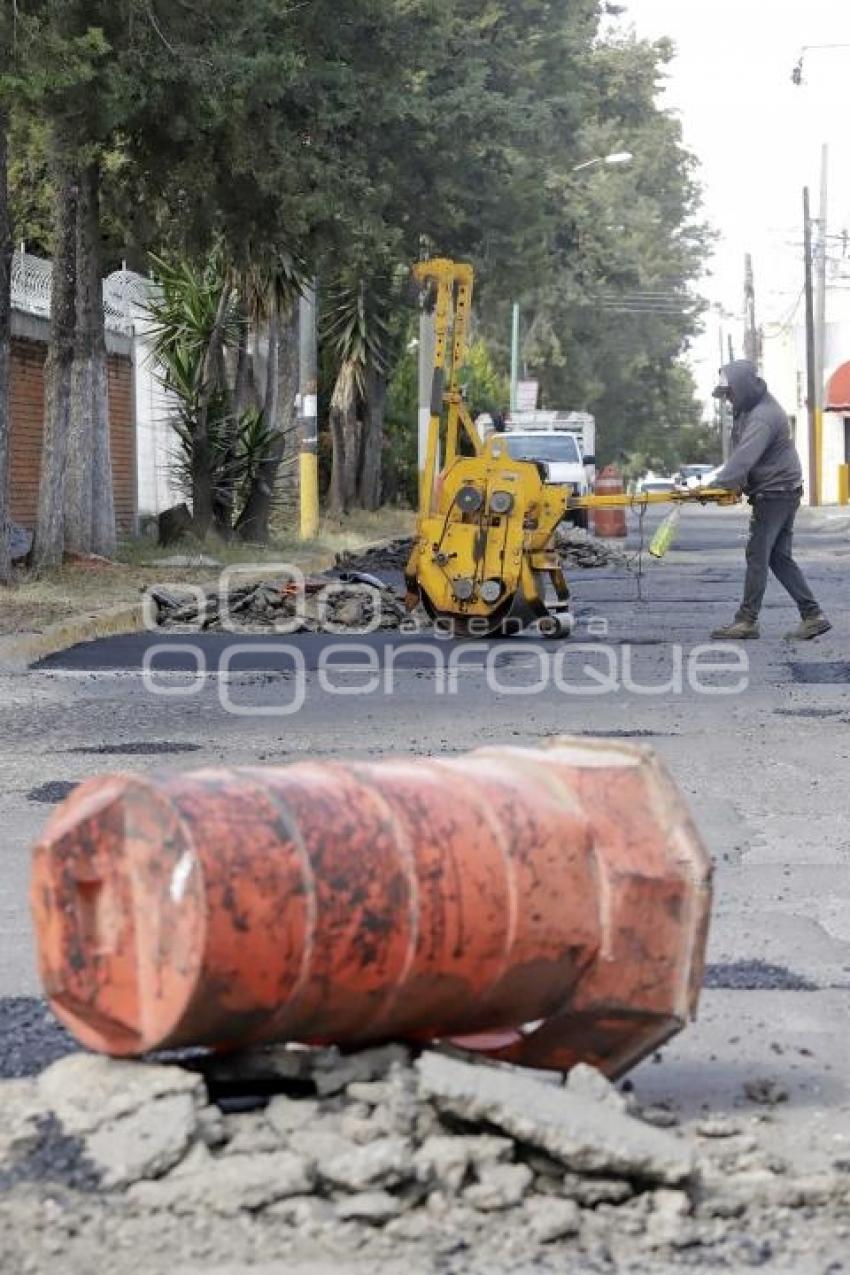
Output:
(18, 652)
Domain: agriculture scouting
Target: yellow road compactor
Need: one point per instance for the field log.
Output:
(485, 560)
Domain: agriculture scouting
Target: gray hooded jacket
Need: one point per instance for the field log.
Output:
(764, 460)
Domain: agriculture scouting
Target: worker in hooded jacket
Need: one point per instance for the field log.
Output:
(764, 465)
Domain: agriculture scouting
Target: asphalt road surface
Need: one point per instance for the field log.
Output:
(760, 746)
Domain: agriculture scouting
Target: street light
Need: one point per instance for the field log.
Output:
(797, 73)
(619, 157)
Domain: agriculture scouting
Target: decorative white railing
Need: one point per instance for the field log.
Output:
(122, 290)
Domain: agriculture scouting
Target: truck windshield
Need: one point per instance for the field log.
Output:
(549, 448)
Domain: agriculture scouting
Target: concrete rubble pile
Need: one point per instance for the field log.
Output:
(376, 1151)
(578, 548)
(346, 599)
(390, 555)
(273, 606)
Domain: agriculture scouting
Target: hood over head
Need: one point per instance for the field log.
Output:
(741, 384)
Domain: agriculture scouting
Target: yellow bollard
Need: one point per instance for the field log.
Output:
(309, 494)
(817, 494)
(844, 484)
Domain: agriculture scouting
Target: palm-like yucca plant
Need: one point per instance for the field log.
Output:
(275, 285)
(359, 328)
(201, 316)
(192, 306)
(256, 442)
(195, 322)
(271, 292)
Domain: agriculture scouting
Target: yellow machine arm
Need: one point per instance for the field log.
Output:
(484, 547)
(640, 500)
(454, 284)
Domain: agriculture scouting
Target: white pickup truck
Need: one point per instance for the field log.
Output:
(565, 442)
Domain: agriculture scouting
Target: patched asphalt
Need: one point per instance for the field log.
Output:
(31, 1037)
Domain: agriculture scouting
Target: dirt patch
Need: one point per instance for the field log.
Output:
(33, 605)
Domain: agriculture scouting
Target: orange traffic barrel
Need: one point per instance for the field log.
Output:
(545, 906)
(609, 523)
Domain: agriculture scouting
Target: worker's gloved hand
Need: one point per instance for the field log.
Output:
(732, 495)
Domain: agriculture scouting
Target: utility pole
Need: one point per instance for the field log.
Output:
(751, 336)
(820, 315)
(514, 356)
(722, 407)
(308, 414)
(811, 357)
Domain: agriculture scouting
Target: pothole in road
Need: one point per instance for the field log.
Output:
(829, 673)
(815, 713)
(51, 792)
(137, 748)
(756, 976)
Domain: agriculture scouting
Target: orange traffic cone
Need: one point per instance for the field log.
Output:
(558, 898)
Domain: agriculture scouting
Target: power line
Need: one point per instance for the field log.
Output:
(797, 73)
(664, 305)
(664, 314)
(649, 302)
(786, 324)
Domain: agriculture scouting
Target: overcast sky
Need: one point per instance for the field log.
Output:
(757, 136)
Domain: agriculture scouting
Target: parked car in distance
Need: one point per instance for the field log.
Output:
(561, 453)
(692, 476)
(655, 482)
(703, 479)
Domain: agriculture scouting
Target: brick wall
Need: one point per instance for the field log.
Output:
(27, 421)
(122, 442)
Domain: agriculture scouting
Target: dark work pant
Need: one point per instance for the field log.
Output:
(770, 548)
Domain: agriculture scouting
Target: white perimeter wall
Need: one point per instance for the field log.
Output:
(785, 373)
(155, 439)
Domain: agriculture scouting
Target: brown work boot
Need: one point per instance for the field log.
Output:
(739, 631)
(812, 626)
